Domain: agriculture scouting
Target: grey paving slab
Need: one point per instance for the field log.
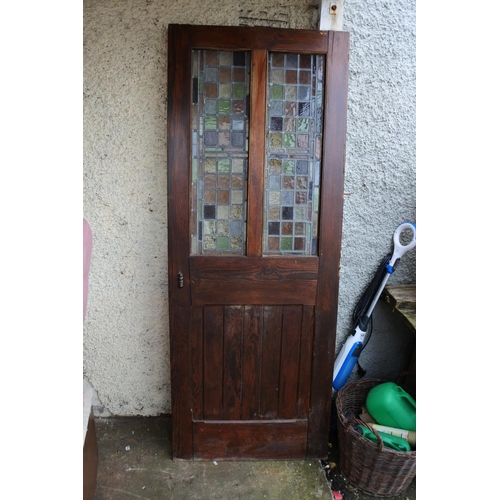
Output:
(135, 461)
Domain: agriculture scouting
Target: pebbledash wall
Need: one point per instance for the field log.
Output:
(126, 333)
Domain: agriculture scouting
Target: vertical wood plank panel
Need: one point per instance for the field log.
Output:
(213, 363)
(306, 343)
(290, 353)
(233, 330)
(252, 356)
(271, 357)
(197, 361)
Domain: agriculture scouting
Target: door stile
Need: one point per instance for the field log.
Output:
(179, 160)
(330, 232)
(256, 152)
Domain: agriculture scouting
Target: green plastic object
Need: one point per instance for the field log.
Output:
(391, 405)
(394, 442)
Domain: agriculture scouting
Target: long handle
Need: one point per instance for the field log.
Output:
(399, 251)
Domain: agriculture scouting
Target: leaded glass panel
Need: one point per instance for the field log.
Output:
(293, 153)
(219, 126)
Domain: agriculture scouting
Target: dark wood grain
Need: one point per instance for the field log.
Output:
(256, 153)
(306, 348)
(273, 439)
(271, 359)
(252, 357)
(263, 38)
(213, 341)
(240, 280)
(232, 373)
(290, 354)
(178, 158)
(90, 460)
(197, 356)
(331, 208)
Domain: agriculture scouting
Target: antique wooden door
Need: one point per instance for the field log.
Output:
(256, 148)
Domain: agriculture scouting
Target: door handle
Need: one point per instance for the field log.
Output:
(180, 280)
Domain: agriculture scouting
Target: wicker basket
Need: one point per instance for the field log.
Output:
(369, 466)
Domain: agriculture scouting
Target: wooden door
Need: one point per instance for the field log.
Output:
(256, 148)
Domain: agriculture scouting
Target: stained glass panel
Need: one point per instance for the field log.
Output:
(220, 98)
(293, 153)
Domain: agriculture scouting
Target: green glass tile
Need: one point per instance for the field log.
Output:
(222, 243)
(201, 84)
(290, 140)
(211, 122)
(316, 199)
(224, 165)
(286, 243)
(303, 125)
(238, 91)
(289, 167)
(277, 92)
(224, 106)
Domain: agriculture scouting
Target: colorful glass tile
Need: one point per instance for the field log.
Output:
(294, 142)
(220, 88)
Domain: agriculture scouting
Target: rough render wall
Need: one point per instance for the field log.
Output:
(126, 343)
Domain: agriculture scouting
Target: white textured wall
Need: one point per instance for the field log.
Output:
(380, 173)
(126, 353)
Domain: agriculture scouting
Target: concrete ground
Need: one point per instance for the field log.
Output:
(135, 462)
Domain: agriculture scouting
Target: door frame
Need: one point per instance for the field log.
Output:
(182, 39)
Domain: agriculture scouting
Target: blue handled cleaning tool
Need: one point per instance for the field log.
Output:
(355, 343)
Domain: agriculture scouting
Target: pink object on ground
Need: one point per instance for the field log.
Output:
(87, 253)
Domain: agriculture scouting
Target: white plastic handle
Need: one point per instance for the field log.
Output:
(399, 249)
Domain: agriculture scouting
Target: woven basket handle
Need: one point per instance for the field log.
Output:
(352, 421)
